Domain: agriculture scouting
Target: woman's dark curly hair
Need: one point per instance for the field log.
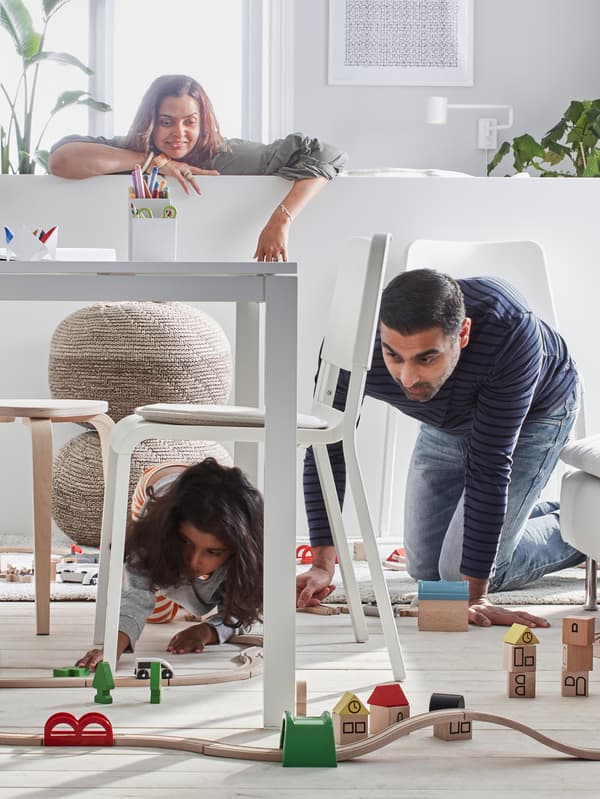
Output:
(218, 500)
(140, 133)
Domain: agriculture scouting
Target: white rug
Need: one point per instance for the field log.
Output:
(25, 592)
(561, 588)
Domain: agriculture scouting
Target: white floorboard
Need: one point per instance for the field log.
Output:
(496, 763)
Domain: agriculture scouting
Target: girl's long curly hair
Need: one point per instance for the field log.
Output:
(210, 140)
(218, 500)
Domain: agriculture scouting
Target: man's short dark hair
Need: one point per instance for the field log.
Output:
(420, 299)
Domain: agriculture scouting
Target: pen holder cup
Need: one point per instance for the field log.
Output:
(152, 235)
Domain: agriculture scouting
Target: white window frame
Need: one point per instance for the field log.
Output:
(267, 68)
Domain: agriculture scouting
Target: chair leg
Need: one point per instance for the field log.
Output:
(591, 573)
(103, 424)
(41, 447)
(112, 547)
(334, 514)
(386, 614)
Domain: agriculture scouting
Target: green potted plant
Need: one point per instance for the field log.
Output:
(17, 133)
(573, 140)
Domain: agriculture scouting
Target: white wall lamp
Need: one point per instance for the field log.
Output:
(487, 127)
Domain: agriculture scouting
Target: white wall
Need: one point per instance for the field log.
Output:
(533, 54)
(223, 224)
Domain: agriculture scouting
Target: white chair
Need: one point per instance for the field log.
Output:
(348, 345)
(39, 415)
(521, 263)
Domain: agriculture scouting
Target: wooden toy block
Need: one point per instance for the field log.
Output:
(155, 668)
(387, 705)
(520, 634)
(577, 658)
(103, 683)
(457, 730)
(71, 671)
(301, 698)
(443, 615)
(320, 610)
(519, 658)
(307, 741)
(578, 630)
(350, 719)
(574, 683)
(520, 685)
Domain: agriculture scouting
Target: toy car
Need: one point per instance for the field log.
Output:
(142, 668)
(86, 574)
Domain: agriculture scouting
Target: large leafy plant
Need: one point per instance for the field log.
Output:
(18, 131)
(573, 140)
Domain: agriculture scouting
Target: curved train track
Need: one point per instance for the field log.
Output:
(348, 752)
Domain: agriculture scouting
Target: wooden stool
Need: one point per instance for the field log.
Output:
(38, 415)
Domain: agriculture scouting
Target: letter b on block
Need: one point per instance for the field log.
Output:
(521, 684)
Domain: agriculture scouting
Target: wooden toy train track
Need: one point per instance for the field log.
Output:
(249, 664)
(347, 752)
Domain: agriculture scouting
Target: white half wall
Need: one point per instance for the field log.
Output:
(223, 224)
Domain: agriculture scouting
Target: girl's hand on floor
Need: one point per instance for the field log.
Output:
(91, 659)
(193, 639)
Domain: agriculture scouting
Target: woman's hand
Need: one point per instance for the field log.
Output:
(273, 240)
(184, 174)
(193, 639)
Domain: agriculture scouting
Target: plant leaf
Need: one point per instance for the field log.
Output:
(97, 105)
(75, 97)
(592, 169)
(574, 111)
(525, 149)
(503, 150)
(42, 157)
(64, 59)
(51, 6)
(16, 19)
(555, 133)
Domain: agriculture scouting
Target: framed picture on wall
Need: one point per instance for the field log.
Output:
(401, 42)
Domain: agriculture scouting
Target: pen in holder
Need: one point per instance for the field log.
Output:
(152, 230)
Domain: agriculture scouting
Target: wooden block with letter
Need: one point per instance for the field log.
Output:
(519, 658)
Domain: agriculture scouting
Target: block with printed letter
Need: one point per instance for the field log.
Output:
(578, 630)
(458, 730)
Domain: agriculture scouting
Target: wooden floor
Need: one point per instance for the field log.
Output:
(496, 763)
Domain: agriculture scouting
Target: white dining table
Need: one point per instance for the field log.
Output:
(251, 285)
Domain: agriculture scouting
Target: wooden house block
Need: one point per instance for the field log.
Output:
(350, 719)
(574, 683)
(443, 605)
(454, 731)
(519, 658)
(578, 630)
(387, 705)
(520, 634)
(520, 684)
(577, 658)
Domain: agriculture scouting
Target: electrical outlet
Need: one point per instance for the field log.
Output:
(487, 133)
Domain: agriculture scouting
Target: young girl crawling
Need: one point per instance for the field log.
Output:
(199, 540)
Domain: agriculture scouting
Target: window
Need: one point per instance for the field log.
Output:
(203, 40)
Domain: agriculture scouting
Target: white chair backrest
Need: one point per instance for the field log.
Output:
(354, 310)
(521, 263)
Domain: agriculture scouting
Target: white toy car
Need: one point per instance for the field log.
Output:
(143, 666)
(84, 573)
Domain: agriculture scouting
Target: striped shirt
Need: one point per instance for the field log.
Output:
(515, 367)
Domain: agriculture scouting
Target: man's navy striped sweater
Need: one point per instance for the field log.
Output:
(514, 367)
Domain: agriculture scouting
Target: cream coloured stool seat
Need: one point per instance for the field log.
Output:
(39, 415)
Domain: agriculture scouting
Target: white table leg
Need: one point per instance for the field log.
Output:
(247, 373)
(280, 497)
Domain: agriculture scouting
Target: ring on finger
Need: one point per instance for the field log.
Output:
(188, 175)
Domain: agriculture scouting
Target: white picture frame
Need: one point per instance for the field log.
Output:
(400, 42)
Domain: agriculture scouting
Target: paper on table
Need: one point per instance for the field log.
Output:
(24, 246)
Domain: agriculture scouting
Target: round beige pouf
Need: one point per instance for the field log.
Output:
(136, 353)
(78, 483)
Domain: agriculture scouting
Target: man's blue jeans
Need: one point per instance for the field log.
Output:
(530, 544)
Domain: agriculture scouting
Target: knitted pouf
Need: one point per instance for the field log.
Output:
(136, 353)
(78, 484)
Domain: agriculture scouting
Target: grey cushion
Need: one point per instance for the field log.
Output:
(226, 415)
(584, 454)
